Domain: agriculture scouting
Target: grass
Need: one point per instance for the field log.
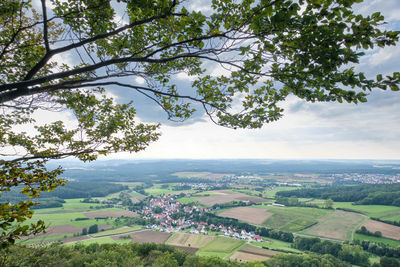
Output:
(293, 218)
(338, 225)
(392, 218)
(70, 205)
(386, 241)
(101, 240)
(275, 245)
(187, 200)
(271, 193)
(44, 238)
(69, 218)
(221, 247)
(136, 194)
(371, 210)
(189, 240)
(121, 230)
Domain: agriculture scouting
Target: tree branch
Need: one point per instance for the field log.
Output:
(45, 27)
(51, 53)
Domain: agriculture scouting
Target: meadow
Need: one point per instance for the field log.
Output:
(221, 247)
(293, 219)
(338, 225)
(377, 211)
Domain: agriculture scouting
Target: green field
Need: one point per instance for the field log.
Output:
(293, 218)
(136, 195)
(378, 211)
(187, 200)
(338, 225)
(276, 244)
(43, 238)
(122, 230)
(221, 247)
(101, 240)
(271, 193)
(157, 190)
(386, 241)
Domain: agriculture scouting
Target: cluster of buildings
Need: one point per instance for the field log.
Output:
(172, 216)
(367, 178)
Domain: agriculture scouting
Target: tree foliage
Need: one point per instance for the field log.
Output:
(65, 55)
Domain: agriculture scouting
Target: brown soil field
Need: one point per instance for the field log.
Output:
(74, 239)
(103, 214)
(149, 237)
(190, 240)
(189, 250)
(337, 225)
(258, 251)
(57, 230)
(247, 214)
(221, 197)
(244, 256)
(387, 230)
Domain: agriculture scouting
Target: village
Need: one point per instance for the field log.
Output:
(172, 216)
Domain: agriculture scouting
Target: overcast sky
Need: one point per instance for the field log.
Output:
(330, 131)
(346, 131)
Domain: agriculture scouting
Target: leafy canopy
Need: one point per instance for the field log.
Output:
(67, 54)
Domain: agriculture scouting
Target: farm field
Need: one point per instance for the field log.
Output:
(64, 222)
(252, 253)
(336, 225)
(220, 246)
(225, 196)
(148, 236)
(247, 214)
(271, 192)
(70, 205)
(386, 241)
(157, 190)
(121, 230)
(189, 250)
(275, 244)
(109, 214)
(293, 218)
(387, 230)
(378, 211)
(245, 256)
(207, 175)
(257, 250)
(102, 240)
(189, 240)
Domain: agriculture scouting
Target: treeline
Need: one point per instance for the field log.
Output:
(51, 202)
(345, 252)
(367, 194)
(354, 253)
(210, 218)
(73, 189)
(397, 223)
(134, 254)
(364, 231)
(294, 202)
(379, 249)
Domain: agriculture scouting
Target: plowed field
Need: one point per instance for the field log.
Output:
(247, 214)
(115, 214)
(387, 230)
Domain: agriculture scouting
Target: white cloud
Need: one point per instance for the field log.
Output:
(140, 80)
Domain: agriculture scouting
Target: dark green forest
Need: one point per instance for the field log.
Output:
(73, 189)
(365, 194)
(141, 255)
